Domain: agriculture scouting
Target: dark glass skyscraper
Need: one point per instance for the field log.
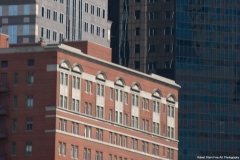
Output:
(142, 35)
(207, 61)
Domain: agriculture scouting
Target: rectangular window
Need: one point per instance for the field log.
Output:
(86, 86)
(13, 10)
(153, 15)
(4, 64)
(62, 1)
(76, 128)
(171, 154)
(137, 48)
(151, 48)
(60, 148)
(137, 14)
(98, 31)
(76, 152)
(26, 29)
(146, 105)
(61, 18)
(29, 101)
(167, 48)
(86, 7)
(72, 151)
(172, 112)
(111, 93)
(85, 154)
(48, 36)
(13, 33)
(15, 101)
(132, 122)
(125, 142)
(126, 98)
(42, 11)
(146, 125)
(168, 111)
(64, 149)
(64, 125)
(125, 119)
(61, 37)
(86, 27)
(110, 115)
(92, 29)
(137, 31)
(110, 137)
(0, 10)
(92, 9)
(172, 132)
(28, 148)
(167, 15)
(13, 149)
(55, 16)
(120, 117)
(89, 154)
(48, 14)
(54, 36)
(66, 79)
(72, 127)
(61, 101)
(115, 139)
(152, 31)
(103, 33)
(30, 62)
(120, 140)
(65, 102)
(60, 124)
(136, 65)
(168, 153)
(167, 31)
(103, 13)
(29, 124)
(143, 124)
(168, 131)
(116, 116)
(30, 78)
(89, 87)
(136, 122)
(42, 32)
(26, 9)
(98, 12)
(15, 79)
(14, 125)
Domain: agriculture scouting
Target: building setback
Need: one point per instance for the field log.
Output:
(27, 21)
(57, 102)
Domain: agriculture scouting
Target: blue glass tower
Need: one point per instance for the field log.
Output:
(207, 61)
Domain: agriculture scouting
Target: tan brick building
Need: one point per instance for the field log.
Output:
(57, 102)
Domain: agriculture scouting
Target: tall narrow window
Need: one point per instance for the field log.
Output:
(15, 79)
(15, 101)
(28, 148)
(30, 78)
(14, 125)
(42, 11)
(13, 149)
(29, 101)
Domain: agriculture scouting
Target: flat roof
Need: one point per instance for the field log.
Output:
(77, 52)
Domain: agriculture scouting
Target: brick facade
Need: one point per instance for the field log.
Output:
(52, 119)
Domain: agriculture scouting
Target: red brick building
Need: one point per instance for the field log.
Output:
(57, 102)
